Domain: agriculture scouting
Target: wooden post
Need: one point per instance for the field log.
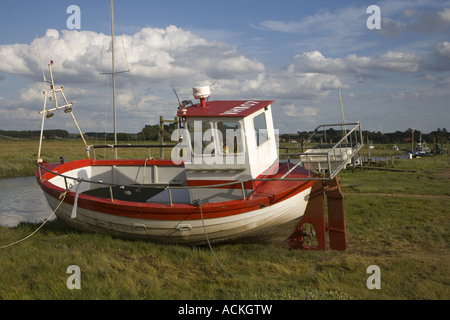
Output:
(161, 136)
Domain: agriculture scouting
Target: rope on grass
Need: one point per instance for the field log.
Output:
(199, 203)
(62, 196)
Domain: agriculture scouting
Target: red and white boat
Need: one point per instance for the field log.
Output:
(224, 181)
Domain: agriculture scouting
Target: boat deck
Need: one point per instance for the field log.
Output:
(125, 193)
(157, 193)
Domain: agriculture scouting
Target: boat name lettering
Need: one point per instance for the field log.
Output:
(240, 108)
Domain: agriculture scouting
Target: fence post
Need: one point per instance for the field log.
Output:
(161, 136)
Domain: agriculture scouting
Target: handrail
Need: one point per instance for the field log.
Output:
(355, 147)
(119, 146)
(327, 153)
(113, 146)
(333, 150)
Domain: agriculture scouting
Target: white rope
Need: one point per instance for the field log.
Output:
(63, 196)
(199, 203)
(143, 179)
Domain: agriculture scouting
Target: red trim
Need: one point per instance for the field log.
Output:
(266, 193)
(241, 108)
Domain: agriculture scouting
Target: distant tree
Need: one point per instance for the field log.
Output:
(149, 132)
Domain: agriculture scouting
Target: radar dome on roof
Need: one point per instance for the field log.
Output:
(201, 92)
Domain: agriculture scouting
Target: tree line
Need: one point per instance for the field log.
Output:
(151, 133)
(29, 134)
(397, 137)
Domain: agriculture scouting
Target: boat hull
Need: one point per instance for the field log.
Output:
(273, 210)
(278, 219)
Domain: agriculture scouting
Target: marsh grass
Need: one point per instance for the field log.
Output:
(18, 157)
(398, 221)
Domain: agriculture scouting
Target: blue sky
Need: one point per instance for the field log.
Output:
(295, 52)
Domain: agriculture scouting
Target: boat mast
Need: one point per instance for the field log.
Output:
(113, 76)
(344, 130)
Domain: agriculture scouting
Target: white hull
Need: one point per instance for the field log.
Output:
(261, 222)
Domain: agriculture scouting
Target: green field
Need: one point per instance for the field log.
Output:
(398, 221)
(18, 157)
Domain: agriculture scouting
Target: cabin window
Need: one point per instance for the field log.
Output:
(199, 131)
(259, 123)
(230, 137)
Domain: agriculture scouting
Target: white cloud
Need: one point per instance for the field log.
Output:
(443, 49)
(432, 22)
(398, 95)
(309, 113)
(445, 14)
(159, 59)
(157, 54)
(440, 58)
(390, 61)
(344, 21)
(416, 20)
(391, 28)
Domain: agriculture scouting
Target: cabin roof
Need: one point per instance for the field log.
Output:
(228, 108)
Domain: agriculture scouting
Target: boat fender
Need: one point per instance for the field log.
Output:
(75, 204)
(139, 226)
(184, 227)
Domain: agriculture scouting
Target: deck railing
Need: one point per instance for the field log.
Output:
(329, 160)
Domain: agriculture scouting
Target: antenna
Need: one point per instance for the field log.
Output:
(40, 59)
(344, 130)
(179, 103)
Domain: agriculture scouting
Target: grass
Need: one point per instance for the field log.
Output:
(398, 221)
(18, 157)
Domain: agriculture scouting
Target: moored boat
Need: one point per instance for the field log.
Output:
(207, 188)
(223, 181)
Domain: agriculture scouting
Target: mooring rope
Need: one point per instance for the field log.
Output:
(199, 203)
(62, 196)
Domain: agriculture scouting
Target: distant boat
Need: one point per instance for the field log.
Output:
(421, 151)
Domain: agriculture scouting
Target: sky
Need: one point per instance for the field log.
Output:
(391, 63)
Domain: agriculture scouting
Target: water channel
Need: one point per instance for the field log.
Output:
(22, 200)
